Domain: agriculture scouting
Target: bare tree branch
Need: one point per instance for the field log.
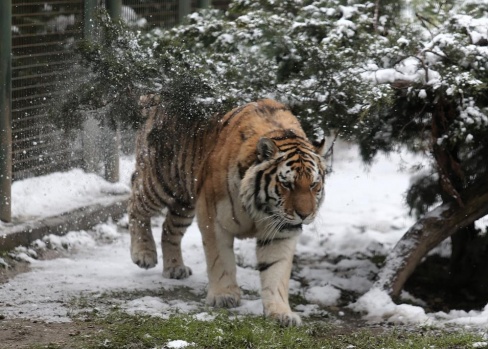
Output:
(425, 20)
(376, 15)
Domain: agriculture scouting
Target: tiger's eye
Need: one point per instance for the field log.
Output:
(313, 185)
(286, 185)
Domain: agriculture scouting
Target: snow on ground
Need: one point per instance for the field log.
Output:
(59, 192)
(363, 216)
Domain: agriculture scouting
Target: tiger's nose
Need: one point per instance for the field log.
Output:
(302, 215)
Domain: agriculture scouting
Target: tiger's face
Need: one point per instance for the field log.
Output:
(286, 186)
(299, 190)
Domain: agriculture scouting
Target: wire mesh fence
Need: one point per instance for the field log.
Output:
(220, 4)
(151, 13)
(41, 60)
(43, 33)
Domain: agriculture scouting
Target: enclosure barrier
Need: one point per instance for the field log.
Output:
(42, 62)
(108, 146)
(5, 111)
(112, 137)
(36, 57)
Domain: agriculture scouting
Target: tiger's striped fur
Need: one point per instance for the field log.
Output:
(249, 173)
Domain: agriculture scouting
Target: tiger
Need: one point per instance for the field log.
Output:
(249, 173)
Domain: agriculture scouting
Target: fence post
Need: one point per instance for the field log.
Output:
(90, 131)
(184, 9)
(204, 3)
(89, 10)
(5, 110)
(114, 8)
(111, 138)
(100, 144)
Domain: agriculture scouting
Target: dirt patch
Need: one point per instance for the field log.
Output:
(13, 269)
(23, 334)
(16, 267)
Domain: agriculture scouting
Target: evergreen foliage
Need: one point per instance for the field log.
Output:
(378, 73)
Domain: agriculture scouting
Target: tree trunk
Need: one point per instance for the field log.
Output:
(427, 233)
(468, 266)
(461, 265)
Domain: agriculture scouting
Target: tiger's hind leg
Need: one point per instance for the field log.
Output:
(174, 227)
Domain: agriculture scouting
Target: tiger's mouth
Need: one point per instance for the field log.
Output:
(288, 222)
(291, 226)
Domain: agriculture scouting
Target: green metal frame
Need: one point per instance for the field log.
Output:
(90, 126)
(5, 110)
(114, 8)
(204, 3)
(111, 138)
(89, 23)
(107, 150)
(184, 9)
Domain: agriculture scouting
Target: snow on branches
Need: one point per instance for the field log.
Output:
(377, 73)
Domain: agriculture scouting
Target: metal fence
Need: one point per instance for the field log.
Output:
(41, 59)
(36, 56)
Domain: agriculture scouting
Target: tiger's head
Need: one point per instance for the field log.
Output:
(285, 186)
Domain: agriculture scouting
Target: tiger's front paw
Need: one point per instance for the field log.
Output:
(144, 257)
(228, 298)
(287, 319)
(180, 272)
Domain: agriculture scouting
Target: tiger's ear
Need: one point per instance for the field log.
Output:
(320, 147)
(266, 149)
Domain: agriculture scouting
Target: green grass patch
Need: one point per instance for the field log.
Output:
(102, 324)
(181, 293)
(120, 330)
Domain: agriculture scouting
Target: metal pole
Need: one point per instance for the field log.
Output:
(90, 131)
(204, 3)
(111, 138)
(89, 10)
(184, 9)
(5, 110)
(114, 8)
